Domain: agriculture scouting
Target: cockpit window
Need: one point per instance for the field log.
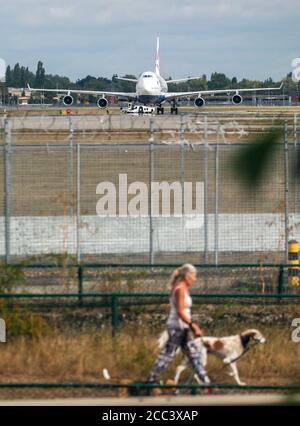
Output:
(146, 75)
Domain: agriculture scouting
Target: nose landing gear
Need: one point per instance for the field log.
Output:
(174, 109)
(160, 110)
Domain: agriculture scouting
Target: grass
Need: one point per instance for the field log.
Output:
(70, 356)
(40, 350)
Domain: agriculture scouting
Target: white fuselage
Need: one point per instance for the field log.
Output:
(151, 88)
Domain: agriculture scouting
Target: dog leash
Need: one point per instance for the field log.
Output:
(238, 357)
(218, 370)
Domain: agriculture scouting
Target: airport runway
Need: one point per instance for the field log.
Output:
(119, 122)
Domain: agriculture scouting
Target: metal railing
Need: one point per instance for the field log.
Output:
(116, 298)
(147, 387)
(160, 298)
(205, 270)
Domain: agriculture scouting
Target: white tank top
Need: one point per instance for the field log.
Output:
(174, 320)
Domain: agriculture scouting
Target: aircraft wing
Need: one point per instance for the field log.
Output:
(174, 95)
(132, 80)
(131, 95)
(181, 80)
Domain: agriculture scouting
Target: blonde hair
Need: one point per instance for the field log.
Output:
(180, 273)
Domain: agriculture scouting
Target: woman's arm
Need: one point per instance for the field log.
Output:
(179, 298)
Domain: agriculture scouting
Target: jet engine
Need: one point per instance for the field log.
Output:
(68, 100)
(237, 99)
(102, 102)
(199, 102)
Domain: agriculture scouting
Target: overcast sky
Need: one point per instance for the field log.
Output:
(243, 38)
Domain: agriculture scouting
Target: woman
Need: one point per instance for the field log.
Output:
(181, 329)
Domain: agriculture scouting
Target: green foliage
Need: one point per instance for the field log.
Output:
(10, 276)
(8, 76)
(192, 85)
(23, 323)
(251, 161)
(219, 81)
(40, 75)
(234, 82)
(289, 84)
(19, 76)
(247, 84)
(57, 259)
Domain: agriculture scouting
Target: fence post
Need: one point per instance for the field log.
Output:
(182, 129)
(280, 288)
(7, 186)
(78, 216)
(295, 161)
(286, 190)
(80, 284)
(205, 190)
(70, 165)
(151, 179)
(114, 314)
(217, 204)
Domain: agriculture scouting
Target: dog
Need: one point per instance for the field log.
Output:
(228, 349)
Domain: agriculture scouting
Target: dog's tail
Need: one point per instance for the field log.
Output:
(162, 340)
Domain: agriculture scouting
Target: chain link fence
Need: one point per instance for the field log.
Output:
(50, 204)
(139, 279)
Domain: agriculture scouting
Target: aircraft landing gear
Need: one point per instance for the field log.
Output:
(174, 109)
(160, 110)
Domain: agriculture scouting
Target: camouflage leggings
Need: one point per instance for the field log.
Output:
(178, 337)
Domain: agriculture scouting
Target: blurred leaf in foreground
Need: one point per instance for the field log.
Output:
(251, 161)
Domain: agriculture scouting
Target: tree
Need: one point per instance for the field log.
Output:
(234, 82)
(204, 79)
(268, 82)
(16, 75)
(40, 75)
(219, 81)
(23, 80)
(289, 84)
(8, 76)
(123, 86)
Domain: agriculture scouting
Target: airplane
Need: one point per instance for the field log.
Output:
(152, 89)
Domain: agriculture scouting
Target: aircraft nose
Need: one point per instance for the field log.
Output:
(147, 86)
